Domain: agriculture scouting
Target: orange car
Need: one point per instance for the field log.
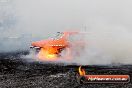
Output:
(52, 48)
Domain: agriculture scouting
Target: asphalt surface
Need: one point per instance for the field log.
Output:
(16, 72)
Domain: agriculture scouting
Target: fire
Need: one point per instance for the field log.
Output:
(81, 71)
(53, 54)
(47, 54)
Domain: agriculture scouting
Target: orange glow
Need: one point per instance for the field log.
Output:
(60, 47)
(47, 54)
(81, 71)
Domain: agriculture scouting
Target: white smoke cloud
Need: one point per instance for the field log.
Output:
(107, 44)
(109, 24)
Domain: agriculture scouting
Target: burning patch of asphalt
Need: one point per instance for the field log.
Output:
(15, 72)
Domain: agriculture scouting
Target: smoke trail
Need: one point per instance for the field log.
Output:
(107, 45)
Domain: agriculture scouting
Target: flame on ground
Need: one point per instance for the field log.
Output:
(81, 71)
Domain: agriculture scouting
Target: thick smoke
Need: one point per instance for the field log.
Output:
(108, 24)
(107, 44)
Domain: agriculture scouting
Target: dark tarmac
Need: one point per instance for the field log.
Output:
(16, 72)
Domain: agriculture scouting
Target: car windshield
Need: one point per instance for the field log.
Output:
(58, 35)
